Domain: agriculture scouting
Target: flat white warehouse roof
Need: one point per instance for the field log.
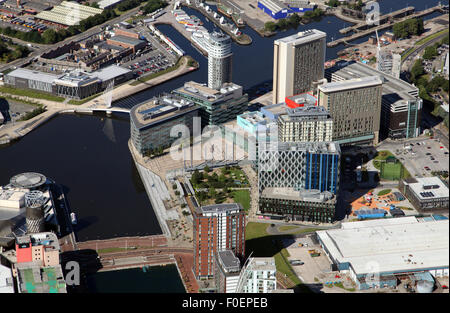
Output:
(393, 245)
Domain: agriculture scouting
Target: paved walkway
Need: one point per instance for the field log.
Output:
(156, 191)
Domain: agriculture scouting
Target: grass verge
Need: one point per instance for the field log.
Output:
(261, 244)
(78, 102)
(384, 192)
(30, 94)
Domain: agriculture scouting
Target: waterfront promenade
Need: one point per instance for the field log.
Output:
(157, 192)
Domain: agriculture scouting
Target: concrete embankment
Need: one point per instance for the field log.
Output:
(156, 191)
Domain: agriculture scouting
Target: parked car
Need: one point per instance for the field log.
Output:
(296, 262)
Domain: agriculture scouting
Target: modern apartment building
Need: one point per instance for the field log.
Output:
(306, 123)
(219, 59)
(228, 269)
(355, 106)
(298, 62)
(216, 106)
(217, 228)
(151, 122)
(303, 165)
(401, 107)
(258, 276)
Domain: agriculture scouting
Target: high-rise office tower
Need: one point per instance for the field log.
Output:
(298, 61)
(355, 106)
(219, 60)
(217, 228)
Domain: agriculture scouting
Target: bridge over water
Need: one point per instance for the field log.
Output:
(387, 24)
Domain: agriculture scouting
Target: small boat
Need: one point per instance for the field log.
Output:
(73, 218)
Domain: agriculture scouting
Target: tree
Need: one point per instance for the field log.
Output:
(430, 52)
(270, 26)
(294, 20)
(212, 192)
(417, 70)
(207, 169)
(332, 3)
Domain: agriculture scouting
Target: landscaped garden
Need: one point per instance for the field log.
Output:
(221, 185)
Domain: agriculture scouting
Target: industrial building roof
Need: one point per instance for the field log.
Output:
(68, 13)
(105, 4)
(273, 5)
(427, 188)
(127, 40)
(390, 245)
(33, 75)
(6, 280)
(362, 82)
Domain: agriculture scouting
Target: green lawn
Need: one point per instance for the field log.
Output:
(388, 170)
(262, 244)
(112, 250)
(78, 102)
(30, 93)
(384, 192)
(242, 197)
(306, 230)
(286, 228)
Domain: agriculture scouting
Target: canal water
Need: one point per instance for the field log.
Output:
(157, 279)
(89, 154)
(253, 64)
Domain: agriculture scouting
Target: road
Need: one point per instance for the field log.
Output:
(408, 62)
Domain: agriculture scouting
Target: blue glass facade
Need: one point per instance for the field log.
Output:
(322, 172)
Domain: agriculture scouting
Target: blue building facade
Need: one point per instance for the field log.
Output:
(322, 172)
(277, 9)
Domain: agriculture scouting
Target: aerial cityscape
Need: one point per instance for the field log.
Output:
(224, 147)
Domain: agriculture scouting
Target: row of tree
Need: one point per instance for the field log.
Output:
(7, 54)
(408, 28)
(293, 21)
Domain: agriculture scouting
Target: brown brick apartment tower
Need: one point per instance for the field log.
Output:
(217, 227)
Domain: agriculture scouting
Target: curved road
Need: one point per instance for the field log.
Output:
(408, 61)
